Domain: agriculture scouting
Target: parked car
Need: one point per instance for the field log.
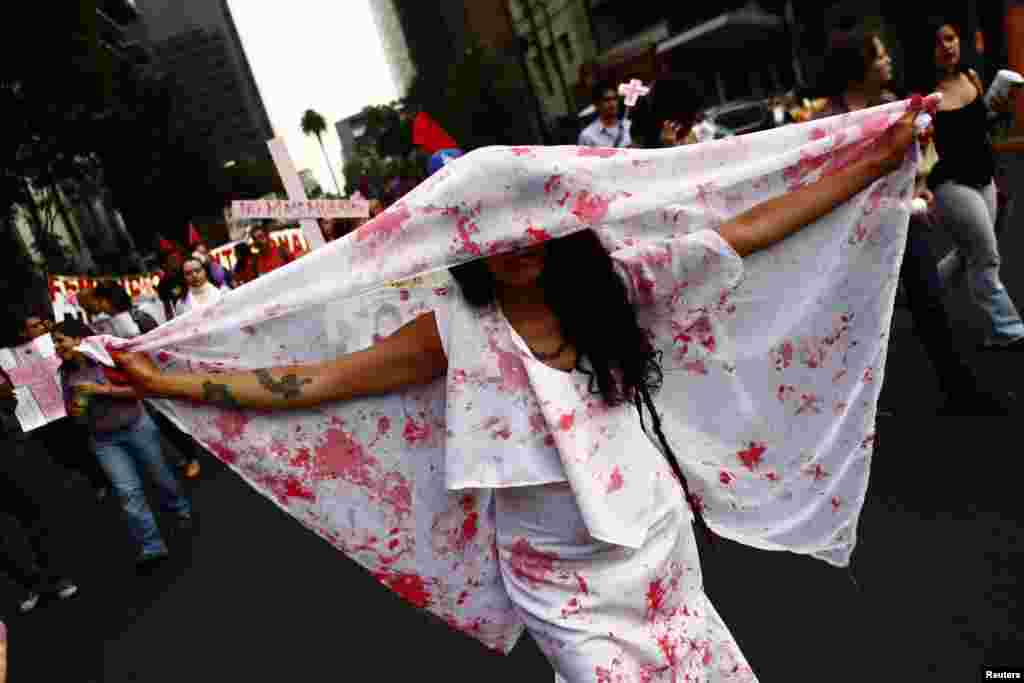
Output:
(721, 121)
(742, 116)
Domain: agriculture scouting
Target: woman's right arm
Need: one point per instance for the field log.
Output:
(413, 355)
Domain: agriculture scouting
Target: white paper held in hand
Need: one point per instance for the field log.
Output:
(1001, 84)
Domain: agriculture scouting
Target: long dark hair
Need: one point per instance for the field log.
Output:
(205, 265)
(242, 255)
(591, 303)
(115, 294)
(849, 57)
(924, 74)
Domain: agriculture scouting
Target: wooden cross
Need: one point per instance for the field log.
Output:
(298, 206)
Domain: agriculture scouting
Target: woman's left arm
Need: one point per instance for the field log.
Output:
(765, 224)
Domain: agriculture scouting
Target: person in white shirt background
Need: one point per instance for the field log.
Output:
(219, 275)
(201, 291)
(606, 130)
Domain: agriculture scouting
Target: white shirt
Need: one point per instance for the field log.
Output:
(514, 421)
(124, 326)
(597, 135)
(201, 298)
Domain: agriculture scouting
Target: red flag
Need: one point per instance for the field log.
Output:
(426, 133)
(193, 236)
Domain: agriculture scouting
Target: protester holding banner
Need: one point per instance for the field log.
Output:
(125, 440)
(128, 322)
(63, 440)
(532, 384)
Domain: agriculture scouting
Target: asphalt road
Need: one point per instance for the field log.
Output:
(255, 597)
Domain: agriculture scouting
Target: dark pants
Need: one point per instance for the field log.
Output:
(925, 295)
(66, 442)
(27, 482)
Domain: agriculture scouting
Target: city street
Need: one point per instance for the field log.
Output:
(198, 146)
(255, 597)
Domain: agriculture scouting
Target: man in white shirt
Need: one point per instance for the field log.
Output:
(606, 130)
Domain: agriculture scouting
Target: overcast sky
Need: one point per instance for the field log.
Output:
(313, 54)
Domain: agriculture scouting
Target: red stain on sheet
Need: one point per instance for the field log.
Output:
(410, 587)
(530, 564)
(615, 481)
(231, 424)
(751, 457)
(590, 208)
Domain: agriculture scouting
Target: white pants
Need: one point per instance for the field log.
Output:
(607, 614)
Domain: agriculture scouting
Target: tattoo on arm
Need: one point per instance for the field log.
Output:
(219, 394)
(289, 386)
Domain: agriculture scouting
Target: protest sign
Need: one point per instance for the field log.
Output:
(32, 369)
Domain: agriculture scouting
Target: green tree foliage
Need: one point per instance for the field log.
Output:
(85, 117)
(313, 123)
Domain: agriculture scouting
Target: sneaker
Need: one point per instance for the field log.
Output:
(29, 603)
(65, 589)
(192, 469)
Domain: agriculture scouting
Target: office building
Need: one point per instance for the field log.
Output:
(196, 42)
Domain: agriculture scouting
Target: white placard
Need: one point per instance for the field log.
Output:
(32, 368)
(287, 209)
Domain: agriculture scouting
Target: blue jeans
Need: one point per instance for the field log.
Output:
(123, 455)
(970, 216)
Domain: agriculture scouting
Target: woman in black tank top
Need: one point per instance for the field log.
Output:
(963, 146)
(965, 193)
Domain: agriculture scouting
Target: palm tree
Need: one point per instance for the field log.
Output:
(314, 124)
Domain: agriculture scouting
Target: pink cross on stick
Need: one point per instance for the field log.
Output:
(632, 91)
